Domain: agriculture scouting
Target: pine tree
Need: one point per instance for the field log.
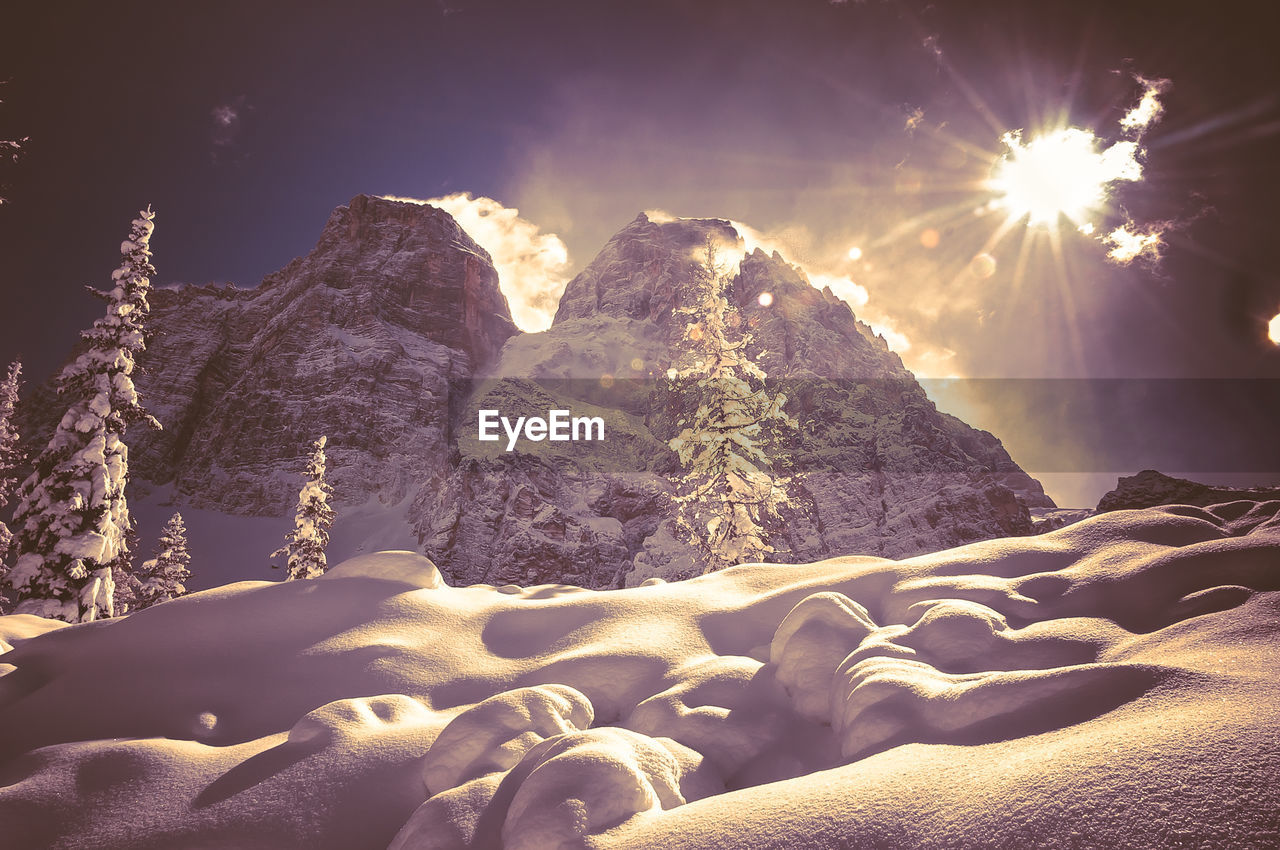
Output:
(162, 577)
(304, 546)
(72, 521)
(128, 589)
(728, 491)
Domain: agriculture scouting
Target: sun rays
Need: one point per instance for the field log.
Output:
(1064, 173)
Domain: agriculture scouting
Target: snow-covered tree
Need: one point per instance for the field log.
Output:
(159, 578)
(729, 490)
(127, 588)
(303, 549)
(72, 522)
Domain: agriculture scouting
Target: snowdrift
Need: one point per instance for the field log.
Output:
(1113, 683)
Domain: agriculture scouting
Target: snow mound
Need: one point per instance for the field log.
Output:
(492, 736)
(1112, 683)
(19, 627)
(398, 565)
(583, 784)
(812, 639)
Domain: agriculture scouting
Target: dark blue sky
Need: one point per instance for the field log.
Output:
(790, 116)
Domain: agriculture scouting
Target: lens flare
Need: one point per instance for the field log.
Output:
(983, 265)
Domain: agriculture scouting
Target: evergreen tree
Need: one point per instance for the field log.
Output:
(72, 521)
(128, 589)
(159, 578)
(728, 491)
(304, 546)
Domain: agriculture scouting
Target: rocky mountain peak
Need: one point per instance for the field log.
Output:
(412, 265)
(644, 272)
(639, 274)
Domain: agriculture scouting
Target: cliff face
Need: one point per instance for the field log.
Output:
(369, 339)
(392, 334)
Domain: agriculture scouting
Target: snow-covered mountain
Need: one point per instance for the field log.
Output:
(391, 334)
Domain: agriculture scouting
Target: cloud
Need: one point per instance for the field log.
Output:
(915, 117)
(533, 267)
(1149, 108)
(896, 339)
(794, 243)
(225, 116)
(226, 120)
(1129, 242)
(844, 288)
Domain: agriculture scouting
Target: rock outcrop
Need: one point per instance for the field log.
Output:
(1149, 489)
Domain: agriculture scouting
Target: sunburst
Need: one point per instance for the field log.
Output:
(1063, 173)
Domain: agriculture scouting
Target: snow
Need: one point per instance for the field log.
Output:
(227, 548)
(19, 627)
(1112, 683)
(408, 568)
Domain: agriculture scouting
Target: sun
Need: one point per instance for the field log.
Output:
(1273, 329)
(1065, 172)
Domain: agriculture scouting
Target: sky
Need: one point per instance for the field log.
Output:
(862, 139)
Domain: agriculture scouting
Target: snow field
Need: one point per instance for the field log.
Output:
(1109, 684)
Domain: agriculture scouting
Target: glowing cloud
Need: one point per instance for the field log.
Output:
(753, 239)
(1128, 243)
(1148, 109)
(843, 287)
(660, 216)
(533, 267)
(924, 361)
(897, 340)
